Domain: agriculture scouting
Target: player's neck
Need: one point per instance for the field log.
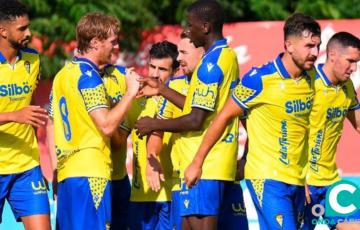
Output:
(8, 52)
(91, 57)
(211, 40)
(290, 66)
(327, 68)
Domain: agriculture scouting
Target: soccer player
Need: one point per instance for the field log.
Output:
(209, 88)
(151, 209)
(335, 99)
(277, 97)
(114, 77)
(83, 125)
(189, 56)
(21, 180)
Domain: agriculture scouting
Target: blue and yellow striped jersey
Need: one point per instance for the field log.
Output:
(331, 104)
(18, 146)
(278, 109)
(115, 85)
(209, 89)
(167, 110)
(82, 150)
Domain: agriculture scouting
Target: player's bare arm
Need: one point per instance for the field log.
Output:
(108, 120)
(191, 122)
(213, 134)
(153, 87)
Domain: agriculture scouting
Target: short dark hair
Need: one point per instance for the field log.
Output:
(343, 39)
(209, 11)
(165, 49)
(297, 23)
(10, 9)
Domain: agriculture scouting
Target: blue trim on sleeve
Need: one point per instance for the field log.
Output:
(161, 112)
(239, 103)
(234, 83)
(356, 107)
(87, 81)
(209, 71)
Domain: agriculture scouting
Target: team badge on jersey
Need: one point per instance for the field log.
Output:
(279, 219)
(27, 66)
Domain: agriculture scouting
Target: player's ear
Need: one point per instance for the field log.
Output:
(289, 45)
(94, 43)
(3, 31)
(206, 27)
(331, 55)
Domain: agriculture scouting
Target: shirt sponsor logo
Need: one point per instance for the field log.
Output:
(15, 89)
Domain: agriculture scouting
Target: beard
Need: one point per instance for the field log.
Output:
(19, 45)
(302, 64)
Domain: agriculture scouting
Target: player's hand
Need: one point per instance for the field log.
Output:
(149, 86)
(143, 126)
(192, 174)
(32, 115)
(307, 194)
(154, 173)
(132, 83)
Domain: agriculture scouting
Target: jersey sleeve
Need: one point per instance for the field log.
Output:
(354, 105)
(247, 93)
(50, 108)
(93, 91)
(210, 77)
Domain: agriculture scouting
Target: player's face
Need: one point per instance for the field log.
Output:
(161, 68)
(16, 32)
(194, 28)
(345, 63)
(304, 50)
(189, 56)
(107, 47)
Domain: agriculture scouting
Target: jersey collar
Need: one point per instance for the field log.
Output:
(218, 44)
(3, 59)
(322, 75)
(279, 65)
(87, 62)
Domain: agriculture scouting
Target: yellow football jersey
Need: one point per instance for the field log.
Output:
(140, 191)
(115, 85)
(209, 89)
(82, 150)
(18, 145)
(331, 104)
(278, 109)
(167, 110)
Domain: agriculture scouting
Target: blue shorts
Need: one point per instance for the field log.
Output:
(204, 199)
(149, 215)
(233, 213)
(175, 210)
(318, 196)
(84, 203)
(26, 193)
(120, 203)
(278, 205)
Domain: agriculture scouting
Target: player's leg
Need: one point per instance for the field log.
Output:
(29, 200)
(5, 181)
(274, 203)
(120, 203)
(200, 205)
(84, 203)
(233, 213)
(316, 198)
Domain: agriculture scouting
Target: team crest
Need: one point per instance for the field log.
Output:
(279, 219)
(113, 77)
(27, 66)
